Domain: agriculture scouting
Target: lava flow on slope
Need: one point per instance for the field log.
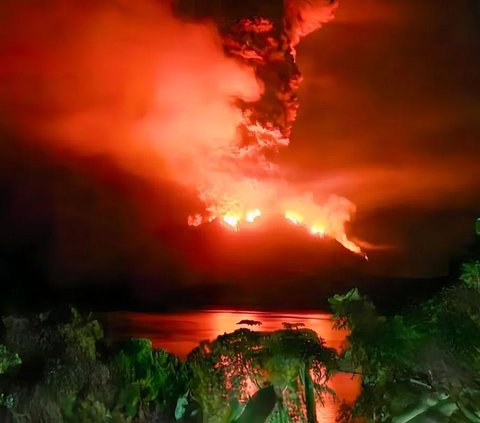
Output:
(241, 184)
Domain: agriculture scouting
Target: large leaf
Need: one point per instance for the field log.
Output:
(433, 410)
(259, 407)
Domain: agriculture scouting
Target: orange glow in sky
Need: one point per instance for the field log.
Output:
(167, 114)
(193, 327)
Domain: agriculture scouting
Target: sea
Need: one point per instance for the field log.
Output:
(181, 332)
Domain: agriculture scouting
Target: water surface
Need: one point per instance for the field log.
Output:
(181, 332)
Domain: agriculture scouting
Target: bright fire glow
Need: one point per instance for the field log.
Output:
(325, 220)
(293, 217)
(252, 215)
(232, 221)
(197, 129)
(318, 230)
(239, 182)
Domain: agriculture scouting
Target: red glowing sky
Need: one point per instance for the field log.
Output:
(388, 118)
(391, 102)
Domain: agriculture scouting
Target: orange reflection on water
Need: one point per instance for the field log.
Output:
(179, 333)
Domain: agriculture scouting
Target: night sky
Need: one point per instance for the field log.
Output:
(389, 118)
(391, 102)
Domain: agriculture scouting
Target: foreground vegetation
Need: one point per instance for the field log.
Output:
(419, 366)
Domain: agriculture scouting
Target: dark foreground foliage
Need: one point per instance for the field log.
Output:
(64, 371)
(419, 366)
(61, 372)
(293, 365)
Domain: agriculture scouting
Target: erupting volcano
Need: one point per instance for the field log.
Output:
(182, 111)
(240, 182)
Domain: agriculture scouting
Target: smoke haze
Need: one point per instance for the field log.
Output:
(113, 114)
(389, 119)
(122, 80)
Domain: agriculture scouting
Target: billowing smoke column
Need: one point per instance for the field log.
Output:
(264, 36)
(170, 98)
(266, 40)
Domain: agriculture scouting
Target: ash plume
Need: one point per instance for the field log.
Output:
(203, 97)
(263, 37)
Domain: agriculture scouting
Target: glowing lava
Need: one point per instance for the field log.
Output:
(332, 227)
(232, 221)
(252, 215)
(318, 230)
(238, 181)
(293, 217)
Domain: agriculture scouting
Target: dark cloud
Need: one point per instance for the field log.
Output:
(62, 228)
(104, 106)
(389, 118)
